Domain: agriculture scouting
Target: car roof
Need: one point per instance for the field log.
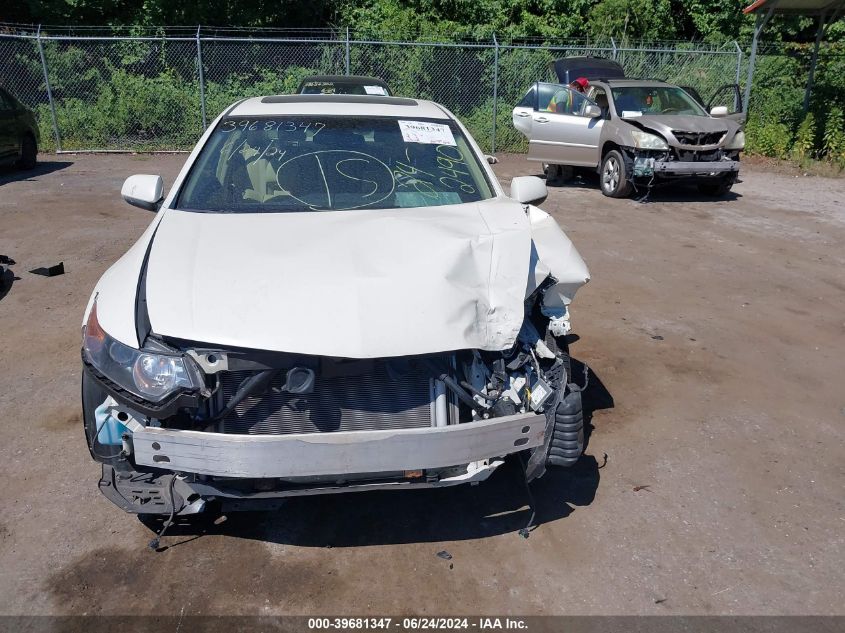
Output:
(338, 105)
(344, 79)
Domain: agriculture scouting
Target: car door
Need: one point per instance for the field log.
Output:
(730, 96)
(524, 110)
(561, 132)
(692, 92)
(8, 127)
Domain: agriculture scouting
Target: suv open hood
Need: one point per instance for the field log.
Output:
(354, 284)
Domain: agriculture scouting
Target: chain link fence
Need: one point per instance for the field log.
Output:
(142, 92)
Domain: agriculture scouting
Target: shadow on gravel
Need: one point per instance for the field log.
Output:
(664, 192)
(7, 277)
(687, 193)
(496, 506)
(11, 174)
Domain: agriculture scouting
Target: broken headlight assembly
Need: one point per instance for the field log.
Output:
(644, 140)
(147, 374)
(737, 142)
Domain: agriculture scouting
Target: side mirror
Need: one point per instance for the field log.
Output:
(144, 191)
(528, 189)
(719, 111)
(592, 111)
(491, 159)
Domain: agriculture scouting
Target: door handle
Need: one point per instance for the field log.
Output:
(541, 119)
(523, 114)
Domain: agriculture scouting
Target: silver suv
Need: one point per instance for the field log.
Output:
(635, 132)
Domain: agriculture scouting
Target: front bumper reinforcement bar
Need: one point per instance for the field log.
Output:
(696, 168)
(336, 453)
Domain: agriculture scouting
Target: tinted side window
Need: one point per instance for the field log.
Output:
(545, 92)
(561, 100)
(6, 103)
(528, 100)
(726, 96)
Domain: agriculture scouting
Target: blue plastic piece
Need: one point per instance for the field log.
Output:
(111, 429)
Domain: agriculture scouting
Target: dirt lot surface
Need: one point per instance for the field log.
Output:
(715, 327)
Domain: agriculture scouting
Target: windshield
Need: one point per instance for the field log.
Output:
(255, 165)
(342, 88)
(632, 101)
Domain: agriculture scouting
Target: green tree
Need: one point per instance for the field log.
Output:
(633, 19)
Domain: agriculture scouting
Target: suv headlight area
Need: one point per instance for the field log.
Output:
(146, 374)
(644, 140)
(737, 142)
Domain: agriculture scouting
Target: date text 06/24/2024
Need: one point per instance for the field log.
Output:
(416, 623)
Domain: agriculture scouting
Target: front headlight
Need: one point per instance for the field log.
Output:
(644, 140)
(148, 375)
(737, 142)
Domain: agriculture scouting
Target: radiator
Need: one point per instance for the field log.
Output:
(373, 400)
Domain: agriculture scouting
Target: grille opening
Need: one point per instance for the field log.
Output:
(347, 396)
(698, 138)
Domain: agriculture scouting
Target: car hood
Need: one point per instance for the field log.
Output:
(664, 124)
(354, 284)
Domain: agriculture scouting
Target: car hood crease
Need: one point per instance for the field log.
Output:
(667, 123)
(353, 284)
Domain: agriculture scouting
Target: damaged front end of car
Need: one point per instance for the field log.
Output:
(179, 425)
(659, 152)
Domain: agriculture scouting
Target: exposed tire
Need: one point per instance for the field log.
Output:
(558, 174)
(613, 176)
(568, 434)
(29, 152)
(717, 188)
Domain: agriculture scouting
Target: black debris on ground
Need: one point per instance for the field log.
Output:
(50, 271)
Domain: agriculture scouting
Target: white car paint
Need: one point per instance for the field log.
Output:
(362, 284)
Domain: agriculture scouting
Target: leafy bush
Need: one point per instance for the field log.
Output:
(480, 124)
(144, 94)
(768, 138)
(834, 137)
(805, 139)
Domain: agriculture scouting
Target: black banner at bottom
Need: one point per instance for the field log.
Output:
(430, 624)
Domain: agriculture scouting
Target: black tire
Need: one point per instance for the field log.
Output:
(717, 188)
(29, 152)
(559, 174)
(613, 176)
(568, 433)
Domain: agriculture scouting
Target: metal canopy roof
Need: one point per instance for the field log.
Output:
(827, 12)
(796, 7)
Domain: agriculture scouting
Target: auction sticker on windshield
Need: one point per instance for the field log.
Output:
(425, 132)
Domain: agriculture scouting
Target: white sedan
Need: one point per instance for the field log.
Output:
(336, 294)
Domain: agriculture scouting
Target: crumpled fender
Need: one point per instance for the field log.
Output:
(553, 253)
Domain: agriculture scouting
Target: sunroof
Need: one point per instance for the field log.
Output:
(400, 101)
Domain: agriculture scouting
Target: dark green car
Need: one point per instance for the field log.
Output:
(18, 133)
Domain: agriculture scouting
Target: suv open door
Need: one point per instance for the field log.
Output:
(729, 96)
(562, 125)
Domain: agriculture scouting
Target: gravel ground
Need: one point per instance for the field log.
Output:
(715, 332)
